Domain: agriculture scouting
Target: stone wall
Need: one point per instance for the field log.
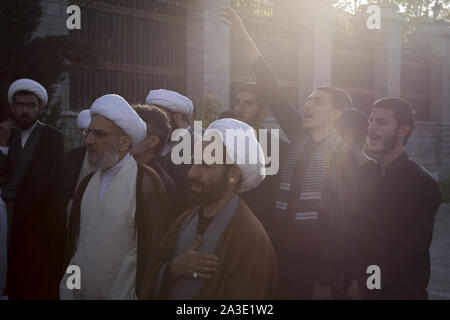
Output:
(208, 66)
(429, 144)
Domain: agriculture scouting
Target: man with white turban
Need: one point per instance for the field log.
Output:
(219, 249)
(178, 109)
(119, 210)
(84, 119)
(31, 156)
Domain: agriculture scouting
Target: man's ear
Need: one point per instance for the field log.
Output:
(404, 130)
(335, 114)
(153, 142)
(234, 176)
(125, 143)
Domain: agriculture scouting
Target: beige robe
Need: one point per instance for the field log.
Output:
(106, 249)
(247, 262)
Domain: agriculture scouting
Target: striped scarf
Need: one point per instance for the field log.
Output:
(304, 176)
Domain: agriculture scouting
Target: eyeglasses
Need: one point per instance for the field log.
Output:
(99, 133)
(29, 106)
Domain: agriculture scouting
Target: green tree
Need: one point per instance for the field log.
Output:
(45, 59)
(414, 12)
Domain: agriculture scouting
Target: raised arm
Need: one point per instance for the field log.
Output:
(269, 89)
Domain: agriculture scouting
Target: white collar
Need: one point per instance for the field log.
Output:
(28, 131)
(116, 168)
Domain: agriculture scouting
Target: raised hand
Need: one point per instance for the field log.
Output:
(230, 18)
(191, 261)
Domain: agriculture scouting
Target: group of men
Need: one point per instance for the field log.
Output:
(137, 225)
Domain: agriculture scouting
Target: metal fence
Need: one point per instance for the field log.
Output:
(277, 39)
(353, 70)
(147, 44)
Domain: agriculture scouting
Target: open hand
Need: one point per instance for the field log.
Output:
(231, 18)
(191, 261)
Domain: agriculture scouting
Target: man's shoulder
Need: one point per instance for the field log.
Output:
(422, 177)
(147, 170)
(50, 132)
(150, 180)
(248, 226)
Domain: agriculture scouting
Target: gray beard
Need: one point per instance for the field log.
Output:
(107, 160)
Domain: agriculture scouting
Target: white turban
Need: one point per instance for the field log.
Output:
(241, 145)
(119, 111)
(83, 119)
(27, 85)
(171, 100)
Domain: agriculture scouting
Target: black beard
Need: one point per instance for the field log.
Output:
(211, 194)
(25, 123)
(389, 144)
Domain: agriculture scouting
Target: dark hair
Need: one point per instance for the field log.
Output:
(339, 97)
(250, 87)
(355, 122)
(403, 111)
(226, 114)
(158, 123)
(26, 93)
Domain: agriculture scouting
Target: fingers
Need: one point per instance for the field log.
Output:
(206, 256)
(203, 276)
(206, 269)
(226, 20)
(207, 264)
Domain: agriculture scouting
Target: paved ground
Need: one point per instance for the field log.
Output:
(439, 286)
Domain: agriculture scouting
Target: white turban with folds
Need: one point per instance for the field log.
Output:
(83, 119)
(243, 148)
(119, 111)
(170, 100)
(27, 85)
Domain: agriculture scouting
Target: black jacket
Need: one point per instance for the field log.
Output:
(174, 201)
(396, 219)
(308, 252)
(30, 269)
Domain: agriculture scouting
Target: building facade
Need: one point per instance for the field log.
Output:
(183, 46)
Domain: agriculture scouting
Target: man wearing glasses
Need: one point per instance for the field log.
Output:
(30, 163)
(119, 212)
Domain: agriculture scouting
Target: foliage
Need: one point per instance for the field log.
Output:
(44, 59)
(209, 111)
(413, 11)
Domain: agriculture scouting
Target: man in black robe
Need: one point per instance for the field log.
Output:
(397, 213)
(248, 108)
(30, 165)
(178, 109)
(149, 152)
